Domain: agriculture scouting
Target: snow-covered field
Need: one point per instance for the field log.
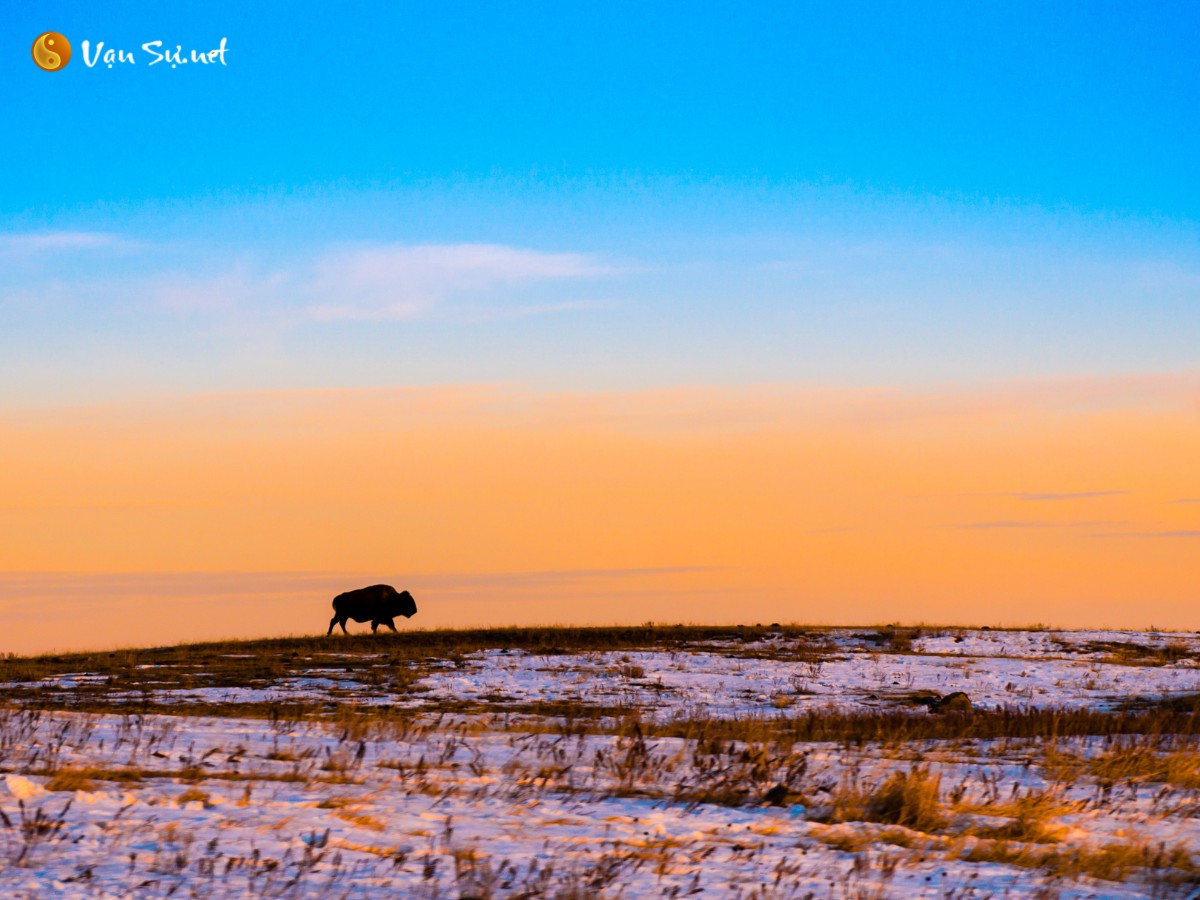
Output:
(461, 790)
(840, 669)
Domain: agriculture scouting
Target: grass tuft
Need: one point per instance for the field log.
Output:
(909, 799)
(71, 780)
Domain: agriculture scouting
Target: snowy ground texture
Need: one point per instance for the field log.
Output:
(683, 780)
(819, 670)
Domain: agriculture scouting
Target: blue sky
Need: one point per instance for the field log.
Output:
(616, 195)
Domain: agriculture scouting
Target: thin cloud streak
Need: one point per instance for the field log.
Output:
(21, 585)
(1003, 523)
(62, 241)
(1186, 533)
(398, 281)
(702, 409)
(493, 314)
(383, 282)
(246, 293)
(1068, 495)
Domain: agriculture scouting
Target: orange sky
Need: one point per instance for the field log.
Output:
(1063, 502)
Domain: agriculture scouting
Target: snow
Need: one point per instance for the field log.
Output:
(733, 678)
(481, 804)
(678, 684)
(385, 824)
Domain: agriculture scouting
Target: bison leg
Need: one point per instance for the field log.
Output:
(332, 622)
(392, 625)
(374, 628)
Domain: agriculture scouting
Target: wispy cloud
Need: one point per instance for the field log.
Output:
(547, 578)
(249, 292)
(27, 585)
(734, 409)
(1185, 533)
(1187, 500)
(396, 281)
(62, 241)
(1007, 523)
(381, 282)
(1066, 495)
(242, 289)
(52, 590)
(489, 312)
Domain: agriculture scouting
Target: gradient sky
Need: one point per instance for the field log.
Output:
(810, 312)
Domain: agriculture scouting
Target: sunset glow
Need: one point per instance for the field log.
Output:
(1006, 504)
(607, 315)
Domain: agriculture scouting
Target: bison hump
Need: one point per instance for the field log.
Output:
(376, 593)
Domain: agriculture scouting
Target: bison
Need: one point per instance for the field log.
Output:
(378, 604)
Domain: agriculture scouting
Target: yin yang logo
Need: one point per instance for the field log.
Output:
(51, 51)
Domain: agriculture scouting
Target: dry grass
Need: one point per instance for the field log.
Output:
(847, 840)
(257, 659)
(1159, 863)
(361, 820)
(195, 795)
(1059, 765)
(921, 844)
(1141, 764)
(66, 779)
(909, 799)
(127, 679)
(745, 762)
(892, 638)
(1132, 653)
(391, 663)
(73, 779)
(338, 802)
(888, 727)
(740, 763)
(1159, 758)
(901, 726)
(1030, 818)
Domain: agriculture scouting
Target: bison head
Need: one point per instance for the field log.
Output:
(403, 605)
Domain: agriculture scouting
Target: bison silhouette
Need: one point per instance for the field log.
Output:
(378, 604)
